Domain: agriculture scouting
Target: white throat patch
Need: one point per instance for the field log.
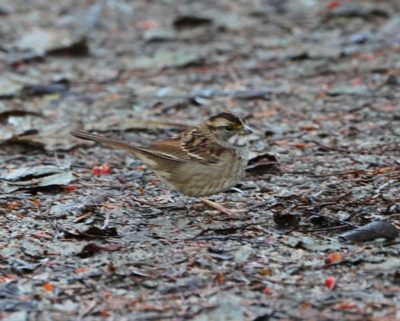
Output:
(238, 140)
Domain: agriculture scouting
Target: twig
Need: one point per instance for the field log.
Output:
(230, 212)
(322, 229)
(354, 171)
(86, 311)
(330, 148)
(333, 201)
(226, 238)
(107, 220)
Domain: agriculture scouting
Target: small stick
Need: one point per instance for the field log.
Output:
(220, 208)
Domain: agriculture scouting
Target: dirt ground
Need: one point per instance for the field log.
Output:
(89, 233)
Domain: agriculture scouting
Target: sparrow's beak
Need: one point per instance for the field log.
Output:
(247, 130)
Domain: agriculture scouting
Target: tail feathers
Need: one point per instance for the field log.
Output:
(104, 140)
(149, 157)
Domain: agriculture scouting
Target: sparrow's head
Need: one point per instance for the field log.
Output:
(229, 129)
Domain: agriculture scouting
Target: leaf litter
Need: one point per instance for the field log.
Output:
(317, 80)
(35, 177)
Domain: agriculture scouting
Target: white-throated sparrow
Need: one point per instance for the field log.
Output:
(201, 161)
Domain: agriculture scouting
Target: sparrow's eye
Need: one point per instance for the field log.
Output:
(229, 128)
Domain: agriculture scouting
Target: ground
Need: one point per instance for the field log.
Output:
(89, 233)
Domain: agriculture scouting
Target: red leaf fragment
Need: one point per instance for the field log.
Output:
(111, 268)
(101, 170)
(330, 282)
(300, 145)
(7, 278)
(36, 202)
(147, 24)
(13, 205)
(105, 313)
(333, 258)
(220, 278)
(48, 287)
(70, 188)
(81, 270)
(345, 306)
(333, 4)
(267, 291)
(141, 167)
(42, 235)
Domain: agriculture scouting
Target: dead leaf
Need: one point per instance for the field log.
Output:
(44, 89)
(55, 42)
(18, 113)
(34, 177)
(287, 220)
(92, 248)
(164, 58)
(262, 164)
(370, 232)
(159, 34)
(77, 206)
(349, 90)
(92, 233)
(52, 137)
(191, 21)
(9, 87)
